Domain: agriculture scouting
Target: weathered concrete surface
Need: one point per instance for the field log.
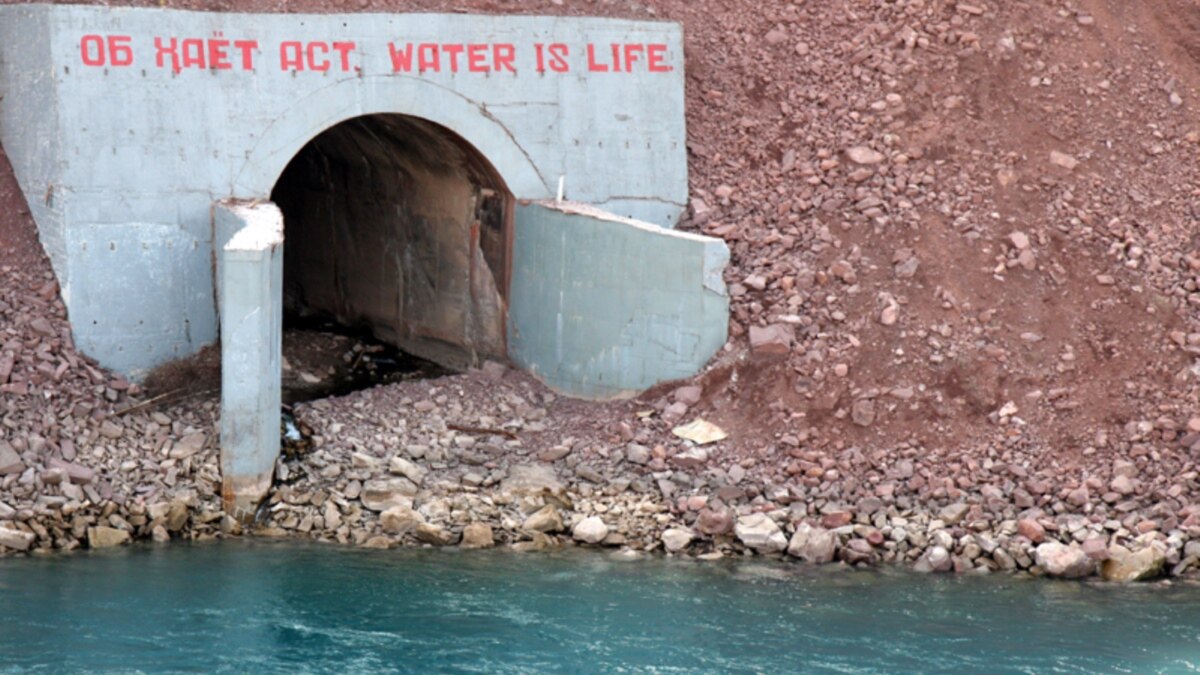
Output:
(250, 279)
(120, 163)
(604, 307)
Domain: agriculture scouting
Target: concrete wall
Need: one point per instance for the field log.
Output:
(604, 307)
(121, 162)
(383, 219)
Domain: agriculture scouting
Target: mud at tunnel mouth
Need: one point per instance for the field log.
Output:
(323, 359)
(398, 234)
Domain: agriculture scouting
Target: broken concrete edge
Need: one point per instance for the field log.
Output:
(590, 329)
(594, 211)
(716, 251)
(262, 226)
(250, 281)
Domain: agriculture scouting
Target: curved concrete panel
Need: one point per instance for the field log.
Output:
(605, 307)
(355, 97)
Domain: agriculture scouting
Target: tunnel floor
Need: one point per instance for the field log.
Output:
(322, 358)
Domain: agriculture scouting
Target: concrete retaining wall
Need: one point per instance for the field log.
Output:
(604, 307)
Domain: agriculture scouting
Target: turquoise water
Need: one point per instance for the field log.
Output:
(247, 607)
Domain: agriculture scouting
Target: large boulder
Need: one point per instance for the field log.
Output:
(77, 473)
(400, 520)
(402, 467)
(1126, 566)
(10, 460)
(106, 537)
(858, 551)
(477, 535)
(1067, 562)
(813, 544)
(15, 539)
(381, 495)
(434, 534)
(676, 539)
(954, 513)
(774, 341)
(530, 479)
(759, 532)
(177, 515)
(714, 521)
(545, 519)
(936, 559)
(188, 445)
(590, 530)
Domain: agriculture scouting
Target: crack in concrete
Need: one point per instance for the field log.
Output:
(488, 114)
(631, 198)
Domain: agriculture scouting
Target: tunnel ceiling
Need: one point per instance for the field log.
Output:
(406, 144)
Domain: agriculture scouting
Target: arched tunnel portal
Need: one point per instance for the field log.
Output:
(399, 226)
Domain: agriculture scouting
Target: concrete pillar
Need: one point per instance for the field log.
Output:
(248, 240)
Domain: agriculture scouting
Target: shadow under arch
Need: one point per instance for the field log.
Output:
(356, 97)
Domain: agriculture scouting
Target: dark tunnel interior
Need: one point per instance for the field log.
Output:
(398, 226)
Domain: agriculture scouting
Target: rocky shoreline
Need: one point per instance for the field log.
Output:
(491, 458)
(494, 458)
(647, 491)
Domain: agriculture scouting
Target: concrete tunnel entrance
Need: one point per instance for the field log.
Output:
(387, 224)
(397, 226)
(437, 230)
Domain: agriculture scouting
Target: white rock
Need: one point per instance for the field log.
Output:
(813, 544)
(590, 530)
(936, 559)
(1064, 160)
(402, 467)
(759, 532)
(861, 154)
(1068, 562)
(676, 539)
(16, 539)
(1019, 240)
(890, 314)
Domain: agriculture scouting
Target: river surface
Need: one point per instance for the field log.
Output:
(277, 607)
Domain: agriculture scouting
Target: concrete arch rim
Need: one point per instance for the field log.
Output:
(349, 98)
